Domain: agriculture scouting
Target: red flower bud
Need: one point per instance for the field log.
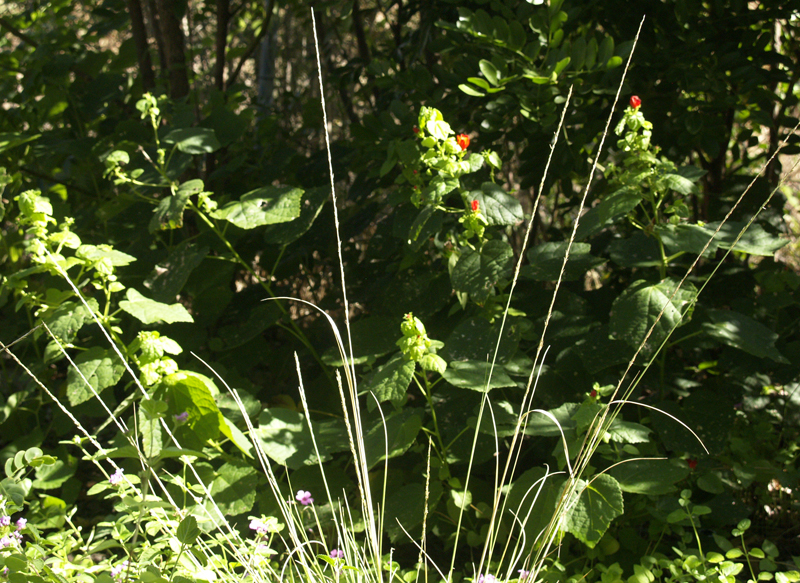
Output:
(692, 463)
(463, 141)
(635, 101)
(474, 206)
(416, 130)
(593, 394)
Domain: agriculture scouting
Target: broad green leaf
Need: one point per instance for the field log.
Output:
(469, 90)
(636, 309)
(187, 531)
(475, 339)
(755, 241)
(532, 498)
(170, 275)
(397, 434)
(629, 432)
(234, 488)
(489, 71)
(390, 382)
(540, 424)
(310, 207)
(499, 207)
(246, 325)
(406, 506)
(638, 250)
(426, 225)
(54, 475)
(678, 183)
(65, 322)
(150, 311)
(193, 140)
(264, 206)
(371, 339)
(285, 438)
(169, 212)
(546, 261)
(473, 374)
(95, 253)
(609, 210)
(687, 238)
(744, 333)
(194, 394)
(653, 477)
(101, 367)
(150, 429)
(477, 272)
(599, 503)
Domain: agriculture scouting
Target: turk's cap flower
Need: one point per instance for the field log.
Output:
(463, 141)
(635, 101)
(475, 206)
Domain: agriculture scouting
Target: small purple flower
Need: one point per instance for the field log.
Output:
(5, 520)
(304, 497)
(258, 525)
(21, 523)
(117, 571)
(487, 579)
(6, 541)
(523, 574)
(336, 553)
(116, 477)
(181, 417)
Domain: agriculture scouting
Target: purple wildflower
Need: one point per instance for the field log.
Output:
(487, 579)
(117, 571)
(5, 520)
(181, 417)
(337, 553)
(523, 574)
(116, 477)
(6, 541)
(21, 523)
(304, 497)
(258, 525)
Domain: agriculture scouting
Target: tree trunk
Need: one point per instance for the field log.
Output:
(142, 49)
(223, 17)
(172, 36)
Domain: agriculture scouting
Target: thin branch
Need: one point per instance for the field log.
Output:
(251, 48)
(17, 32)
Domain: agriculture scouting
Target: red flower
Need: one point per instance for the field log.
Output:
(593, 394)
(692, 463)
(474, 204)
(416, 130)
(635, 101)
(463, 141)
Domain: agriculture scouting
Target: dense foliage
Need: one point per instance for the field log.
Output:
(164, 172)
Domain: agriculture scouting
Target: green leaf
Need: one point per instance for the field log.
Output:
(532, 506)
(755, 241)
(599, 503)
(629, 432)
(489, 71)
(475, 339)
(433, 362)
(539, 424)
(370, 341)
(285, 438)
(193, 140)
(10, 140)
(65, 322)
(101, 367)
(95, 253)
(51, 476)
(744, 333)
(499, 207)
(473, 374)
(609, 210)
(546, 261)
(395, 436)
(469, 90)
(169, 212)
(288, 232)
(264, 206)
(194, 394)
(234, 488)
(170, 275)
(187, 531)
(653, 477)
(686, 238)
(477, 272)
(390, 382)
(426, 225)
(150, 311)
(636, 310)
(678, 183)
(150, 427)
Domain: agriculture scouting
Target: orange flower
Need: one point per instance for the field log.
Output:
(463, 141)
